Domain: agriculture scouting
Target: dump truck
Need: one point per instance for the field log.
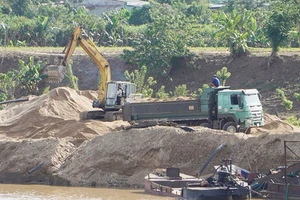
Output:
(217, 108)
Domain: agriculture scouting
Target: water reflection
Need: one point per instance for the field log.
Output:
(43, 192)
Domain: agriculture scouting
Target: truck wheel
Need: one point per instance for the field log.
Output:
(230, 127)
(206, 124)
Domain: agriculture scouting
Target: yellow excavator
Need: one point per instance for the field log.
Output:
(111, 94)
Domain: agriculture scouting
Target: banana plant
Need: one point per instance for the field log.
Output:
(29, 75)
(42, 23)
(235, 28)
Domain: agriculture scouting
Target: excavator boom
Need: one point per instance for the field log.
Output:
(56, 72)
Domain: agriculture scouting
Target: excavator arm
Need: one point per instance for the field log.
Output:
(55, 72)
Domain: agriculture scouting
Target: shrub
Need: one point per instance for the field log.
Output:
(297, 97)
(286, 103)
(223, 75)
(138, 77)
(181, 90)
(161, 94)
(293, 120)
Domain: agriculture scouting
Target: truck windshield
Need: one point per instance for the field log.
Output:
(252, 99)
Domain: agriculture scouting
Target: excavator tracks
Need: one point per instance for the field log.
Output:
(94, 114)
(101, 115)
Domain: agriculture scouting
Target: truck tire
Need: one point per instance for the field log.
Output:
(230, 127)
(206, 124)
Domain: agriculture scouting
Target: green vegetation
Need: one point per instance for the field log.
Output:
(27, 77)
(160, 36)
(286, 103)
(161, 93)
(73, 80)
(297, 96)
(223, 75)
(293, 120)
(181, 90)
(138, 77)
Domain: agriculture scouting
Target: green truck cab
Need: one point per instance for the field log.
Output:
(218, 108)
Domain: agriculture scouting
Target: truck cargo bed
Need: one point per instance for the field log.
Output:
(170, 110)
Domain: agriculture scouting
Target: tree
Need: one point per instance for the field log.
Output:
(29, 75)
(279, 24)
(140, 16)
(17, 7)
(114, 29)
(165, 39)
(235, 28)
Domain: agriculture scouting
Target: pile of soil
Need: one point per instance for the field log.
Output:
(55, 114)
(46, 129)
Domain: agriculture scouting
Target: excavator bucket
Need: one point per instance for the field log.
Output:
(55, 73)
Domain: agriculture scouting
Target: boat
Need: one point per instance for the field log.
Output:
(276, 186)
(284, 181)
(227, 182)
(168, 182)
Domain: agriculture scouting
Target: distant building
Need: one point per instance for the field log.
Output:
(99, 6)
(215, 6)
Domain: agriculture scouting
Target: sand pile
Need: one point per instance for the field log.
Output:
(55, 114)
(22, 156)
(126, 157)
(274, 124)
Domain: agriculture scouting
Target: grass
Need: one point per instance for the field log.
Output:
(120, 49)
(58, 49)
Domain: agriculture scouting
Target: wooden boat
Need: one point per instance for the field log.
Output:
(168, 182)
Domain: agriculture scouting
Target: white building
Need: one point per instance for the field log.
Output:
(99, 6)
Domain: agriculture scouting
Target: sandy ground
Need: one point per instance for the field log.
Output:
(46, 129)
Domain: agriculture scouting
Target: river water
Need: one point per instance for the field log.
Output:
(44, 192)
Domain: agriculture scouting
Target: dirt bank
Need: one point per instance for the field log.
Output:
(47, 130)
(246, 72)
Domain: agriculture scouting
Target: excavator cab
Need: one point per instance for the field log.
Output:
(117, 93)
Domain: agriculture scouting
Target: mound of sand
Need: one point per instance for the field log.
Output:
(274, 125)
(55, 114)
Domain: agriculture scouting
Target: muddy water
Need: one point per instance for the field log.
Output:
(42, 192)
